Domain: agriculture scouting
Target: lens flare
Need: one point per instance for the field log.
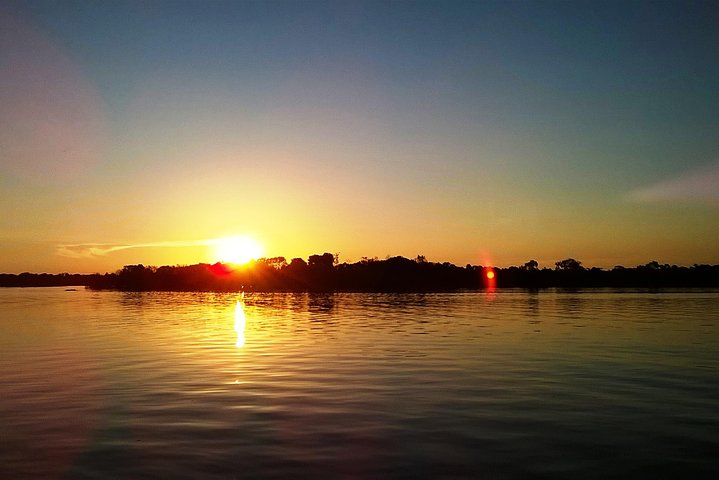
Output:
(490, 280)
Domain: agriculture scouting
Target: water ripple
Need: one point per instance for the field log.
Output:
(516, 384)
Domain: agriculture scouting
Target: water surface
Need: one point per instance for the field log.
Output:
(505, 384)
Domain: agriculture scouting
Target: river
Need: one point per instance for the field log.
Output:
(493, 384)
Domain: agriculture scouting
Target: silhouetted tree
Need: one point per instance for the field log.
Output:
(295, 275)
(395, 274)
(531, 265)
(326, 260)
(274, 262)
(297, 263)
(568, 264)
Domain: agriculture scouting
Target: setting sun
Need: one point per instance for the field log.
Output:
(239, 250)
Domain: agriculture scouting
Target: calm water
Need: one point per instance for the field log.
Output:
(511, 384)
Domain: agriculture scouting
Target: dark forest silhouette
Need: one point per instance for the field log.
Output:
(323, 273)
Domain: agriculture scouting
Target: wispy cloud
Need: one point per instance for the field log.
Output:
(699, 185)
(89, 250)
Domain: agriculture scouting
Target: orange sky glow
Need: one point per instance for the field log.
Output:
(467, 136)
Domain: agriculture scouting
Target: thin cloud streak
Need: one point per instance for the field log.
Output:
(90, 250)
(700, 185)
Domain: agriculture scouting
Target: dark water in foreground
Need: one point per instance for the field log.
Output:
(511, 384)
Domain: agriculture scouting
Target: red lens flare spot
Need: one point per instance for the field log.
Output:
(490, 278)
(220, 269)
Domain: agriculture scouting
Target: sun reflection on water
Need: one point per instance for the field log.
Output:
(240, 322)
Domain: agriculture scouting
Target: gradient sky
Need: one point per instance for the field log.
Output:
(470, 132)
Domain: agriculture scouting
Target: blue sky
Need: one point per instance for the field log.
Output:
(468, 131)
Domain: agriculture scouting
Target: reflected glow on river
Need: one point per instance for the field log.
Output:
(501, 384)
(240, 323)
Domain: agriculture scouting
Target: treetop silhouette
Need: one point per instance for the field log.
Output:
(323, 273)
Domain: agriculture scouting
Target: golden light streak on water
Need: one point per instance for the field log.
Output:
(240, 322)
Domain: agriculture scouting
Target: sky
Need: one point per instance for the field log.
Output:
(478, 132)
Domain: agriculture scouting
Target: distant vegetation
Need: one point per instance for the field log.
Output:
(45, 280)
(323, 273)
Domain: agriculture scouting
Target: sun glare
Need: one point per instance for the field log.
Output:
(237, 250)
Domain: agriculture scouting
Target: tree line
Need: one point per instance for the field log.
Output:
(323, 273)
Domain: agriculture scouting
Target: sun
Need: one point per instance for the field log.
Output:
(238, 250)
